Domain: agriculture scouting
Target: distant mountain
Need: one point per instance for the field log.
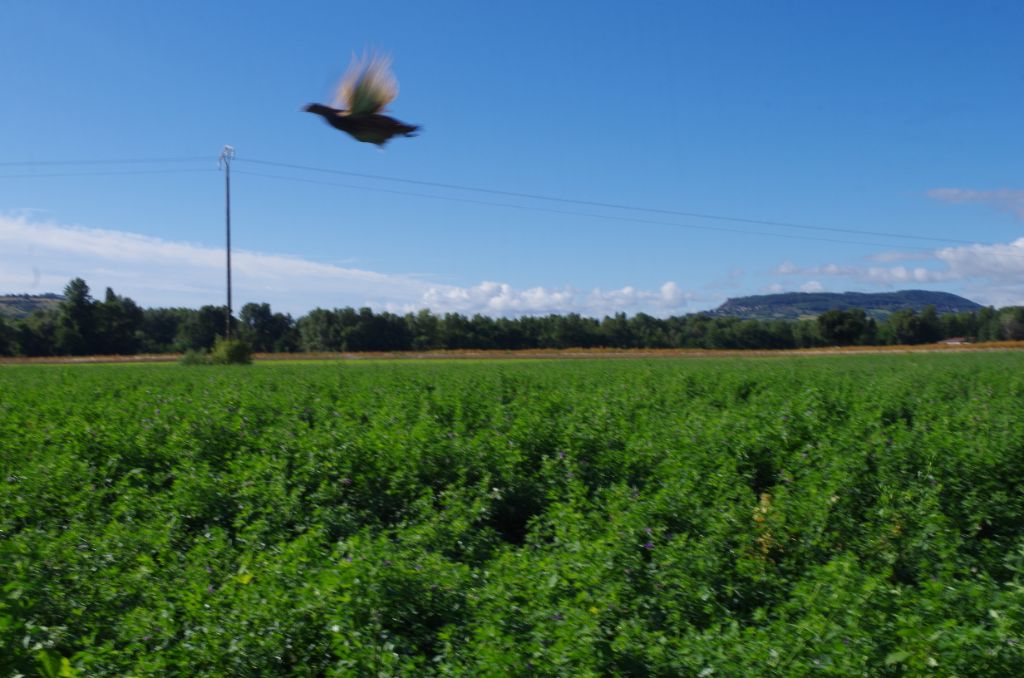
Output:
(21, 305)
(795, 305)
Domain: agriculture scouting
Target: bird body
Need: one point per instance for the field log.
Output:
(373, 128)
(367, 87)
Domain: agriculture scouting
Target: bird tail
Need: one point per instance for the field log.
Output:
(368, 85)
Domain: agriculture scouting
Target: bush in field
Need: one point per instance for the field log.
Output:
(231, 352)
(224, 352)
(195, 357)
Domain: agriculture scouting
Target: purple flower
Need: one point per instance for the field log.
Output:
(649, 546)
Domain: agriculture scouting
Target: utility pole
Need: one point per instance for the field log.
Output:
(225, 162)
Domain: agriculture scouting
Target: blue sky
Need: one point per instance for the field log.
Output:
(896, 120)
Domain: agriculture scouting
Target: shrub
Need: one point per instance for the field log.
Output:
(231, 352)
(195, 357)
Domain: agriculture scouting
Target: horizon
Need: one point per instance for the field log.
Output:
(236, 311)
(654, 158)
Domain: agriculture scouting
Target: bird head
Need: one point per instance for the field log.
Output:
(319, 109)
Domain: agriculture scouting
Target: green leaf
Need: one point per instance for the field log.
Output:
(49, 663)
(53, 665)
(896, 657)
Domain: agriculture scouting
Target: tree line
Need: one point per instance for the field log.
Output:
(116, 325)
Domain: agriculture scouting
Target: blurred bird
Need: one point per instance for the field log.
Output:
(367, 87)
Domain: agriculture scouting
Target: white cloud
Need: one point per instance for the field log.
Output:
(902, 275)
(671, 296)
(907, 255)
(789, 268)
(494, 299)
(990, 274)
(501, 299)
(778, 288)
(998, 261)
(42, 256)
(1004, 199)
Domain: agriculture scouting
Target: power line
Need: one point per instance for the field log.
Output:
(102, 174)
(475, 189)
(609, 205)
(589, 215)
(116, 161)
(462, 187)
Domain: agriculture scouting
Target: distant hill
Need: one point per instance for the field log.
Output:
(21, 305)
(795, 305)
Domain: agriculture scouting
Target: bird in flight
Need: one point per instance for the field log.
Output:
(366, 88)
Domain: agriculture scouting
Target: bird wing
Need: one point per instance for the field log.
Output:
(367, 87)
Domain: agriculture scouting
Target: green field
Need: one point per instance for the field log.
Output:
(846, 515)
